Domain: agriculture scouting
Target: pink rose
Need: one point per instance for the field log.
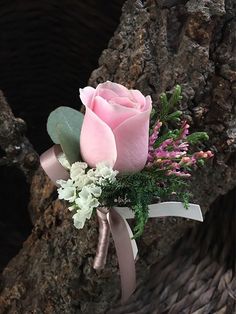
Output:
(115, 127)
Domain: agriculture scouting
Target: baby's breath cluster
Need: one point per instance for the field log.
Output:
(84, 188)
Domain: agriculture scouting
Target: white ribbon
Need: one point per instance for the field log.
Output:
(164, 209)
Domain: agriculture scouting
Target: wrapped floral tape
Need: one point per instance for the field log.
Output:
(120, 161)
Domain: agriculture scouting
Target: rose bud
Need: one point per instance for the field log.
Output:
(116, 127)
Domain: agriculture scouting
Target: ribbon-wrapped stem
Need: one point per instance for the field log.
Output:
(103, 239)
(111, 221)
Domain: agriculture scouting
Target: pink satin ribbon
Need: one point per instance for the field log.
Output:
(124, 253)
(103, 239)
(52, 166)
(109, 221)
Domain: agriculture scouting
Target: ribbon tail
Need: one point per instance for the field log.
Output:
(133, 242)
(124, 253)
(165, 209)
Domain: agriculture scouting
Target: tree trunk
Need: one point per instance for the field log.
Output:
(157, 45)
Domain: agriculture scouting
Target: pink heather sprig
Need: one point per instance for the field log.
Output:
(171, 155)
(155, 133)
(184, 131)
(169, 148)
(178, 173)
(152, 140)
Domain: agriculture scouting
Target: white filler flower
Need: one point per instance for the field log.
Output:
(84, 188)
(105, 172)
(67, 191)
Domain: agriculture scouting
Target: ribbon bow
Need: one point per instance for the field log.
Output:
(113, 220)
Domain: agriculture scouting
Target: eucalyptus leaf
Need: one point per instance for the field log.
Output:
(69, 144)
(64, 127)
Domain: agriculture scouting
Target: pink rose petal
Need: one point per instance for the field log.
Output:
(111, 113)
(105, 93)
(126, 102)
(148, 102)
(86, 95)
(132, 143)
(115, 127)
(138, 97)
(97, 142)
(118, 89)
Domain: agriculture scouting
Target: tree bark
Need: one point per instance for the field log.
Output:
(157, 45)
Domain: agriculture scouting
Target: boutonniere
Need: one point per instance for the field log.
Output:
(121, 160)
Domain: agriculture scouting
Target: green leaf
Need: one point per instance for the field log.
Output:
(64, 127)
(69, 144)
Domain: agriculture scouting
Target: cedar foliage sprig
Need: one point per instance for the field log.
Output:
(140, 189)
(168, 110)
(167, 114)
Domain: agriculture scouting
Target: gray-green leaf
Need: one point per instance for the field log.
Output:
(64, 127)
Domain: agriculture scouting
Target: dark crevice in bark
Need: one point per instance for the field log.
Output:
(15, 223)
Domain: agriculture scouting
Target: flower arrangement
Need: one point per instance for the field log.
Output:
(123, 153)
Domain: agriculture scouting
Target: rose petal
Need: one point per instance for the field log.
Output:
(132, 143)
(111, 113)
(105, 93)
(86, 95)
(97, 142)
(148, 100)
(126, 102)
(118, 89)
(138, 97)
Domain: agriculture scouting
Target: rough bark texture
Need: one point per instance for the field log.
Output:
(157, 45)
(17, 148)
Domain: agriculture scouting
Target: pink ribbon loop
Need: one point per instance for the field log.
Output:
(52, 166)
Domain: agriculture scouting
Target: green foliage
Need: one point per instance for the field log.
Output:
(201, 162)
(197, 137)
(169, 104)
(64, 127)
(175, 97)
(166, 115)
(140, 189)
(165, 108)
(141, 216)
